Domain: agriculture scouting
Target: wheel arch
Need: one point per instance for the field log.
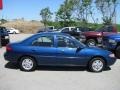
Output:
(95, 38)
(98, 56)
(27, 56)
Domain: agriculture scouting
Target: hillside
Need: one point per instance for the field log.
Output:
(24, 26)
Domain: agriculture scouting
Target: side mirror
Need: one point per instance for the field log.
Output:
(78, 49)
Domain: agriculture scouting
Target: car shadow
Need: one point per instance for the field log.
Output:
(10, 65)
(14, 66)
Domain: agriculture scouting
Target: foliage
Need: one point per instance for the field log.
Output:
(3, 21)
(46, 15)
(64, 14)
(107, 9)
(82, 9)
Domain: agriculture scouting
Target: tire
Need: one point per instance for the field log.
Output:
(96, 68)
(14, 32)
(91, 42)
(117, 52)
(27, 64)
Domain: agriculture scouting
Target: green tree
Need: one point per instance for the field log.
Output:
(46, 15)
(82, 9)
(107, 9)
(64, 14)
(3, 21)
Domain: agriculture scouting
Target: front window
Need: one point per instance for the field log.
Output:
(65, 30)
(44, 41)
(65, 42)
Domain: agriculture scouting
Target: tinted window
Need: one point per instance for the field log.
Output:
(45, 41)
(50, 27)
(110, 29)
(106, 29)
(65, 30)
(101, 29)
(72, 28)
(76, 30)
(65, 42)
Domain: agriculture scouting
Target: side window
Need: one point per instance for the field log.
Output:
(65, 30)
(72, 28)
(110, 29)
(77, 30)
(65, 42)
(44, 41)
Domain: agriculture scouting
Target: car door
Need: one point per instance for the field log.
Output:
(67, 52)
(44, 50)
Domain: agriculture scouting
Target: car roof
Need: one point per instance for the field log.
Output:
(53, 33)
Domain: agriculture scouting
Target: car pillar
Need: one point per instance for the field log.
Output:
(0, 42)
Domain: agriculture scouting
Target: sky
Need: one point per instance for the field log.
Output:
(30, 9)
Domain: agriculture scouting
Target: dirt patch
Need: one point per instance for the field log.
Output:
(24, 26)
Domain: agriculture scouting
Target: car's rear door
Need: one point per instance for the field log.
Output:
(44, 50)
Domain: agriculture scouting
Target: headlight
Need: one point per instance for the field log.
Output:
(112, 41)
(99, 34)
(112, 55)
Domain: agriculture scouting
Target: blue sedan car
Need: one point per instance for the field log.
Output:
(57, 49)
(112, 42)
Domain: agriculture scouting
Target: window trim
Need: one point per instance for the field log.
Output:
(66, 38)
(44, 36)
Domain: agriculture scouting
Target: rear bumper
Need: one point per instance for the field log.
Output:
(10, 57)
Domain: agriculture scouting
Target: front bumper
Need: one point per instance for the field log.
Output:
(111, 61)
(108, 46)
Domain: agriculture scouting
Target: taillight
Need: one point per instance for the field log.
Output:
(8, 48)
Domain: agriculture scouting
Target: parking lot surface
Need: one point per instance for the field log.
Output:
(56, 78)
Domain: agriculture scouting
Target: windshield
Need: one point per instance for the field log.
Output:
(80, 44)
(100, 29)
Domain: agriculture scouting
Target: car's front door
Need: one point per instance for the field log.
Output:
(67, 52)
(44, 50)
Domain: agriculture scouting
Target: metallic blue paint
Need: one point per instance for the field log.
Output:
(109, 45)
(79, 56)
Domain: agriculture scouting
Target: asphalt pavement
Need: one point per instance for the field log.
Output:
(56, 78)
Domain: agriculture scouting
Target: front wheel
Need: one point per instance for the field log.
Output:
(27, 64)
(96, 65)
(91, 42)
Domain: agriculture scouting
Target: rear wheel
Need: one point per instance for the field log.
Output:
(91, 42)
(14, 32)
(96, 64)
(27, 64)
(117, 52)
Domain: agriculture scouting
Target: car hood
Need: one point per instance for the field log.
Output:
(96, 51)
(113, 36)
(92, 33)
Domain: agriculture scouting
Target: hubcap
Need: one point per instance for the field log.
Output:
(97, 65)
(27, 64)
(91, 43)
